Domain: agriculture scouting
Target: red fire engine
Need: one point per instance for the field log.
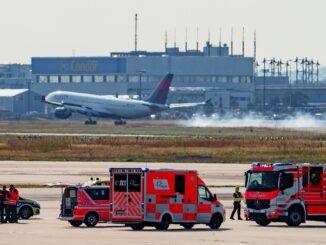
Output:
(143, 197)
(88, 204)
(291, 193)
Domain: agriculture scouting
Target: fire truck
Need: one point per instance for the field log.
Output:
(283, 192)
(142, 197)
(85, 204)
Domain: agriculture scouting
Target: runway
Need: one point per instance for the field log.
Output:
(42, 172)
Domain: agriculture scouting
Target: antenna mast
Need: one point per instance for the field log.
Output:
(136, 32)
(243, 41)
(232, 41)
(197, 45)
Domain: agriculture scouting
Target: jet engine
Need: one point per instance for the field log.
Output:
(62, 113)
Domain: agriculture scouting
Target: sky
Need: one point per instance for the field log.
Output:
(285, 28)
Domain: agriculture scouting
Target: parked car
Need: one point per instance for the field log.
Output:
(27, 208)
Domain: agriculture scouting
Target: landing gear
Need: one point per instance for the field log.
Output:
(90, 122)
(120, 122)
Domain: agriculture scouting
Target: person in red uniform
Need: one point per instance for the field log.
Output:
(3, 204)
(12, 204)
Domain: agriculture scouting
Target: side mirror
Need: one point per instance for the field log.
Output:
(215, 198)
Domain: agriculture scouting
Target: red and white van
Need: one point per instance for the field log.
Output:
(85, 204)
(142, 197)
(282, 192)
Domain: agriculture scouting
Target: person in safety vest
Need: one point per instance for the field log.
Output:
(12, 204)
(237, 197)
(3, 204)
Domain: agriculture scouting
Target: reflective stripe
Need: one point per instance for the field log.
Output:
(160, 208)
(189, 208)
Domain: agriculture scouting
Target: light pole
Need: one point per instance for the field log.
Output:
(140, 72)
(264, 88)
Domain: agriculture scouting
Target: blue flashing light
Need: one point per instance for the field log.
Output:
(144, 169)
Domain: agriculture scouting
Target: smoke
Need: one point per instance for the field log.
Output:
(252, 120)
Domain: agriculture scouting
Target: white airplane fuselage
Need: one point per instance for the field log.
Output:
(103, 106)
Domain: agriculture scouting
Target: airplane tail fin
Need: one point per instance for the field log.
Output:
(160, 94)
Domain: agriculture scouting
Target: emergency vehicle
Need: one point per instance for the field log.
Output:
(85, 204)
(283, 192)
(142, 197)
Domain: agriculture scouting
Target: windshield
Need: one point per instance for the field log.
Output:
(262, 181)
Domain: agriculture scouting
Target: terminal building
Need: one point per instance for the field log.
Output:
(198, 75)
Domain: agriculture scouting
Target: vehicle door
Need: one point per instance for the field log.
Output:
(100, 201)
(288, 186)
(127, 196)
(134, 196)
(204, 204)
(69, 201)
(313, 190)
(183, 204)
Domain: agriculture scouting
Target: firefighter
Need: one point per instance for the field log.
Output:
(3, 204)
(237, 197)
(12, 204)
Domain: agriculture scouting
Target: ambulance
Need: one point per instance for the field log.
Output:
(85, 204)
(142, 197)
(283, 192)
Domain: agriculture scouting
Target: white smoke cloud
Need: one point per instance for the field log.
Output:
(298, 121)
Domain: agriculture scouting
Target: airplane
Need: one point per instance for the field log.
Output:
(105, 106)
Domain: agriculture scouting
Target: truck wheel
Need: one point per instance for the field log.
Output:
(75, 223)
(263, 222)
(295, 217)
(25, 212)
(91, 219)
(164, 224)
(188, 226)
(215, 222)
(137, 227)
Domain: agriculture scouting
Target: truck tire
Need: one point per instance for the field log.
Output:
(215, 222)
(263, 222)
(25, 212)
(75, 223)
(137, 227)
(188, 226)
(295, 217)
(91, 219)
(164, 224)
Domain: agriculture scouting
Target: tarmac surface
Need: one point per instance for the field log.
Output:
(42, 172)
(47, 229)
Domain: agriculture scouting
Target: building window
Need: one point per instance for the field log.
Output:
(65, 79)
(42, 79)
(110, 78)
(54, 79)
(134, 79)
(235, 79)
(76, 79)
(87, 79)
(222, 79)
(121, 78)
(98, 79)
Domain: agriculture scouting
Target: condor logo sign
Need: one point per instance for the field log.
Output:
(161, 184)
(79, 67)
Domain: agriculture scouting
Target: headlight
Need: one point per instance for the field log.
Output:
(36, 204)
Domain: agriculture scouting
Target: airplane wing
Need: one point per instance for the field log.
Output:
(186, 105)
